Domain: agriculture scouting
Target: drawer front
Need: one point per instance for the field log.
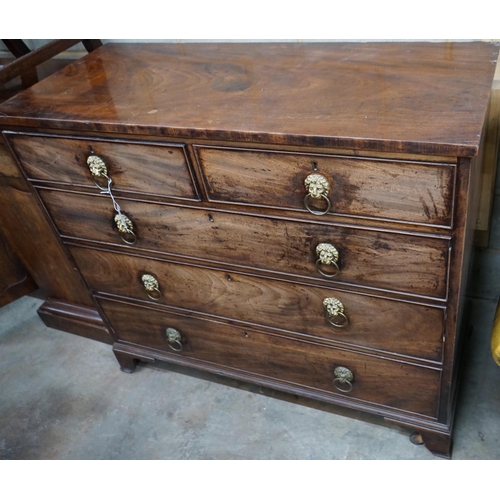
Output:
(134, 167)
(388, 325)
(391, 261)
(396, 190)
(303, 364)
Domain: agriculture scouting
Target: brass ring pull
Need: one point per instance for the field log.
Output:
(328, 255)
(125, 228)
(175, 342)
(129, 238)
(335, 309)
(98, 169)
(151, 286)
(317, 187)
(343, 377)
(174, 339)
(317, 212)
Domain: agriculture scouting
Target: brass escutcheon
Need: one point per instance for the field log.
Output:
(98, 169)
(174, 339)
(151, 286)
(343, 376)
(334, 309)
(125, 228)
(327, 255)
(317, 187)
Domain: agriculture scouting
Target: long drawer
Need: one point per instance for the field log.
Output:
(379, 189)
(392, 326)
(149, 168)
(391, 261)
(304, 364)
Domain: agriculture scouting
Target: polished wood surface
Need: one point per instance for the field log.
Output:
(404, 386)
(15, 281)
(414, 264)
(33, 239)
(400, 138)
(65, 161)
(401, 191)
(30, 236)
(409, 329)
(83, 321)
(382, 96)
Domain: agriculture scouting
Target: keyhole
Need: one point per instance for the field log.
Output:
(229, 278)
(210, 218)
(314, 166)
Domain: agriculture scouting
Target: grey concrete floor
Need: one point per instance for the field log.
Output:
(63, 397)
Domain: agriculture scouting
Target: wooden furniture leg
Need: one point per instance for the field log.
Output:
(438, 442)
(126, 361)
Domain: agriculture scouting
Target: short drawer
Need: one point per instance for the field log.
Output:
(372, 322)
(303, 364)
(135, 167)
(398, 262)
(376, 189)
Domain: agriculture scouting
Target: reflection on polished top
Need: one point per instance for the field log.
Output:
(401, 97)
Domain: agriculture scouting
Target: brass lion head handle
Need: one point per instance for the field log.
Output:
(327, 255)
(317, 187)
(174, 339)
(343, 379)
(125, 228)
(98, 170)
(151, 286)
(335, 312)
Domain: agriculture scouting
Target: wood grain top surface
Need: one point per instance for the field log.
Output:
(416, 97)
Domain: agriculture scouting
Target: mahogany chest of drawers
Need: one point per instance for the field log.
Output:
(297, 216)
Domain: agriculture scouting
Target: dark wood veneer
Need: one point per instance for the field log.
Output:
(385, 97)
(64, 160)
(406, 263)
(394, 326)
(15, 281)
(31, 237)
(225, 231)
(403, 386)
(83, 321)
(402, 191)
